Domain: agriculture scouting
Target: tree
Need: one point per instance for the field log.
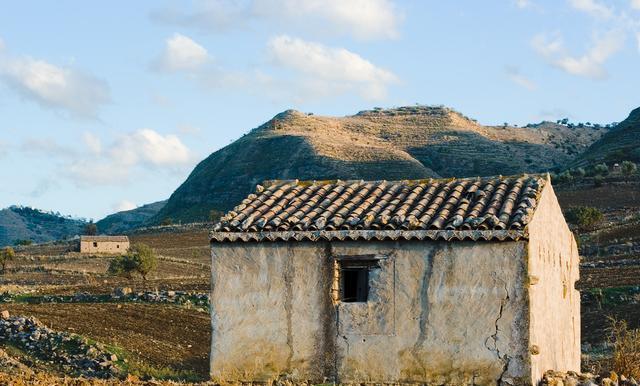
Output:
(7, 254)
(140, 259)
(166, 221)
(584, 216)
(601, 169)
(628, 168)
(90, 229)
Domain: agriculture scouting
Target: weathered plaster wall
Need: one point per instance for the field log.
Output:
(111, 247)
(554, 301)
(271, 311)
(441, 313)
(438, 313)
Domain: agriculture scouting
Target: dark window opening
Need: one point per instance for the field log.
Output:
(117, 245)
(95, 244)
(354, 277)
(355, 284)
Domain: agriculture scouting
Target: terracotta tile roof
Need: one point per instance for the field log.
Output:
(104, 238)
(468, 208)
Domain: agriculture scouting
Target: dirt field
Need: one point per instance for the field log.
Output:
(157, 335)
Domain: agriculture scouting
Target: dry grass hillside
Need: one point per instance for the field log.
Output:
(405, 142)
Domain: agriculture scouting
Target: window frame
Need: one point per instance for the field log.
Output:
(363, 264)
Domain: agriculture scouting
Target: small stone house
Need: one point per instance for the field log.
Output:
(457, 281)
(104, 244)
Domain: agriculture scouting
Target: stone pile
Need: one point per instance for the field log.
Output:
(191, 299)
(558, 378)
(74, 354)
(124, 294)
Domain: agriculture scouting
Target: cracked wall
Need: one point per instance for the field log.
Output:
(438, 312)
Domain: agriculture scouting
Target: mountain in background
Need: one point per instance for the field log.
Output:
(22, 223)
(126, 220)
(400, 143)
(622, 143)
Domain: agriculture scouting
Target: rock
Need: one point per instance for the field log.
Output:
(113, 358)
(4, 314)
(122, 291)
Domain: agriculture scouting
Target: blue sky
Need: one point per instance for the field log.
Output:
(108, 106)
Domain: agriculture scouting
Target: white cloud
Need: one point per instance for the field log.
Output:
(181, 54)
(151, 148)
(593, 8)
(55, 87)
(635, 4)
(523, 3)
(92, 142)
(590, 64)
(90, 163)
(328, 69)
(363, 19)
(123, 205)
(514, 74)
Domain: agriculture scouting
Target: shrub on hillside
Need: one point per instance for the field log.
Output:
(578, 173)
(7, 254)
(140, 259)
(563, 178)
(628, 168)
(598, 180)
(626, 348)
(584, 216)
(601, 169)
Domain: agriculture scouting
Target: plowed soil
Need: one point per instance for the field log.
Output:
(160, 335)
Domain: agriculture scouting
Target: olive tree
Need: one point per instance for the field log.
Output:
(7, 254)
(140, 259)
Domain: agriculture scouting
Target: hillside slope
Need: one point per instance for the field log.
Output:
(20, 223)
(620, 144)
(401, 143)
(126, 220)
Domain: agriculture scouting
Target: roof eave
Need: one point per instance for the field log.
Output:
(341, 235)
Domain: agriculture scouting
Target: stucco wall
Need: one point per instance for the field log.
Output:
(554, 301)
(437, 313)
(111, 247)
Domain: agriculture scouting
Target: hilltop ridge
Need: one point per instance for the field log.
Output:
(410, 142)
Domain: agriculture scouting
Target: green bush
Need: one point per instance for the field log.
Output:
(601, 169)
(584, 216)
(628, 168)
(140, 259)
(579, 172)
(598, 180)
(564, 178)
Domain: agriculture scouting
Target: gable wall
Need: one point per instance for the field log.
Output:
(554, 301)
(437, 313)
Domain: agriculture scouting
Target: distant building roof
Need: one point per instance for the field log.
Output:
(104, 238)
(467, 208)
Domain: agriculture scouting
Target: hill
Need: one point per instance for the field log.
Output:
(123, 221)
(622, 143)
(399, 143)
(23, 223)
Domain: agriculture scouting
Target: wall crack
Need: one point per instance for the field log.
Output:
(491, 343)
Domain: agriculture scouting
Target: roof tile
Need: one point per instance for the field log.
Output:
(476, 208)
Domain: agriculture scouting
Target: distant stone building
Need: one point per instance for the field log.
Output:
(457, 281)
(104, 244)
